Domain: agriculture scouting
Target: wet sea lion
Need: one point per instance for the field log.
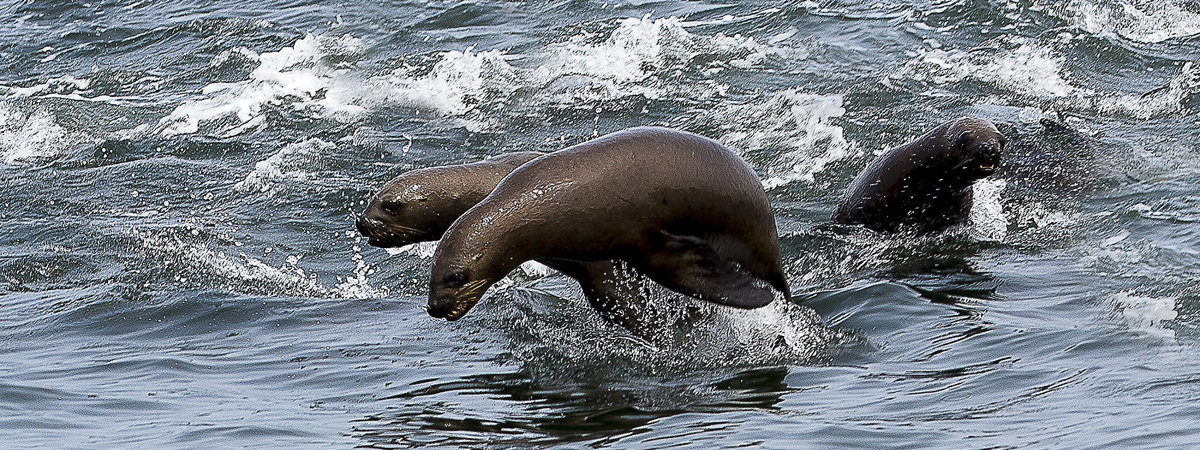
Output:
(924, 185)
(419, 205)
(678, 207)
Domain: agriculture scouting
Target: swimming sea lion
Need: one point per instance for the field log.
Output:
(678, 207)
(924, 185)
(419, 205)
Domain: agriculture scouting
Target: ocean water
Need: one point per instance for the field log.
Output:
(179, 268)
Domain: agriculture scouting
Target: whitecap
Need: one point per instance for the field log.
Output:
(290, 163)
(640, 55)
(455, 85)
(1034, 74)
(27, 138)
(312, 77)
(1149, 21)
(1147, 315)
(796, 127)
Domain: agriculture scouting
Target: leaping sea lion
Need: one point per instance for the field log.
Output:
(678, 207)
(924, 185)
(419, 205)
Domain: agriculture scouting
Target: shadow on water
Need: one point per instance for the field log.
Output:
(550, 411)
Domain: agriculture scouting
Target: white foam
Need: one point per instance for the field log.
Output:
(1138, 20)
(796, 126)
(455, 85)
(641, 52)
(1147, 314)
(1028, 69)
(27, 138)
(198, 261)
(1035, 73)
(987, 211)
(60, 85)
(634, 59)
(289, 163)
(302, 77)
(1184, 208)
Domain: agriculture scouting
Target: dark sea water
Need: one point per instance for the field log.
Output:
(179, 180)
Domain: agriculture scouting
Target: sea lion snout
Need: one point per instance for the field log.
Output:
(987, 155)
(373, 229)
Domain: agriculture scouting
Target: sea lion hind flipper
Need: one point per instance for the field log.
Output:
(688, 265)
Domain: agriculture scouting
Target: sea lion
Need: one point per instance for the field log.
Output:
(924, 185)
(419, 205)
(680, 208)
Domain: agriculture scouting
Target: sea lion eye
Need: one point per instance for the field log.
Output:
(963, 140)
(392, 207)
(456, 279)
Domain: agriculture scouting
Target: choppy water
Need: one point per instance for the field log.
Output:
(178, 265)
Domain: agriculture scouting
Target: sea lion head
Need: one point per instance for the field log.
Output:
(974, 147)
(468, 261)
(415, 207)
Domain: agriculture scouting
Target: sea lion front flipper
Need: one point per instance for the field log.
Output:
(690, 266)
(616, 292)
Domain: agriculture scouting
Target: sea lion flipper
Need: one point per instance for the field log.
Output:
(689, 265)
(614, 290)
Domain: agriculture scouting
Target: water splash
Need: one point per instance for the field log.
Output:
(29, 138)
(987, 213)
(1138, 20)
(287, 164)
(311, 78)
(1036, 74)
(457, 83)
(795, 126)
(640, 55)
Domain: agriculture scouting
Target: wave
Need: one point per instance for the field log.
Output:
(1150, 21)
(311, 78)
(796, 128)
(33, 137)
(320, 76)
(1033, 74)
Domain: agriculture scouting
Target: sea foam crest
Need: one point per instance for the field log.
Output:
(26, 138)
(1147, 314)
(640, 53)
(57, 86)
(1034, 73)
(455, 85)
(312, 77)
(796, 126)
(289, 163)
(1137, 20)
